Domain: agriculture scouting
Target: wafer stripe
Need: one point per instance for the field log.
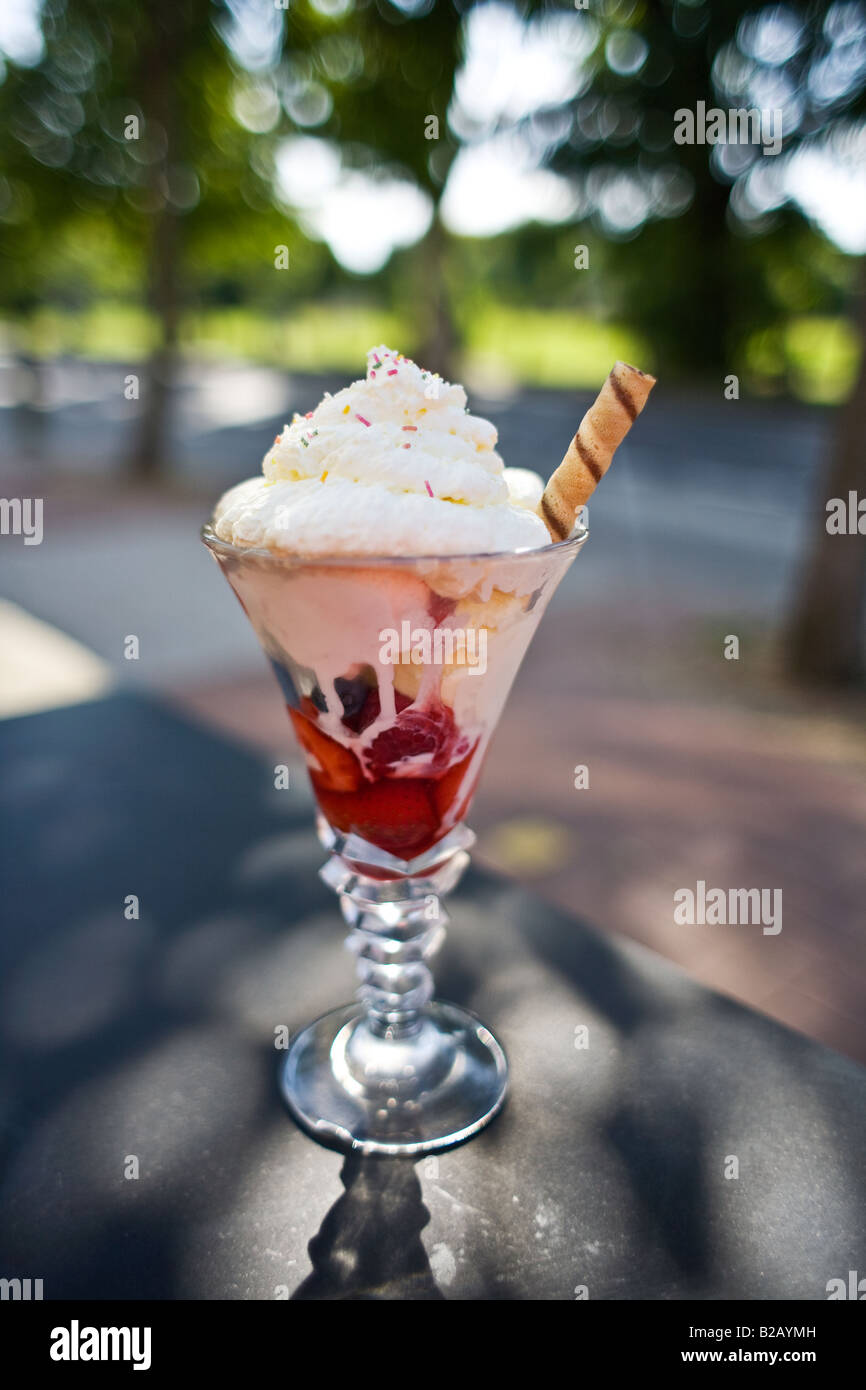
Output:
(553, 522)
(588, 458)
(623, 397)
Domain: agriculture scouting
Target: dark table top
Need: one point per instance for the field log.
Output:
(152, 1039)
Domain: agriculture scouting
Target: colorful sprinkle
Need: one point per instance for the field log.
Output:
(411, 427)
(363, 421)
(309, 415)
(324, 476)
(428, 487)
(393, 371)
(346, 409)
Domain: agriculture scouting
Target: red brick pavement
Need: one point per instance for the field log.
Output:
(698, 769)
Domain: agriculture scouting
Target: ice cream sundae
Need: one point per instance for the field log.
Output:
(393, 465)
(395, 571)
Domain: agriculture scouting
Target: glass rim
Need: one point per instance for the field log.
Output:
(219, 546)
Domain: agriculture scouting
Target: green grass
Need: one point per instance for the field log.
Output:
(822, 356)
(814, 357)
(552, 348)
(313, 338)
(107, 331)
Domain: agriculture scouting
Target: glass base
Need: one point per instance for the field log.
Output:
(350, 1084)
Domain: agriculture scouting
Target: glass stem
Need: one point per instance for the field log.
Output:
(392, 943)
(396, 927)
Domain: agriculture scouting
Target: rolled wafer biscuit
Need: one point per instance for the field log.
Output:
(601, 431)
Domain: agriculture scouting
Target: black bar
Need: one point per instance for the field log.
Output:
(650, 1337)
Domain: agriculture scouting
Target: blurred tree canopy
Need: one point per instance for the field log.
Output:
(127, 172)
(699, 248)
(389, 72)
(142, 164)
(697, 231)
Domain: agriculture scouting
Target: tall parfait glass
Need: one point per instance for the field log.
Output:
(394, 672)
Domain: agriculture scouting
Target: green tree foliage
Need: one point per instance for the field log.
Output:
(125, 166)
(388, 69)
(695, 262)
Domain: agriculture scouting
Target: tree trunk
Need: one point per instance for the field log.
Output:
(170, 31)
(29, 416)
(824, 639)
(149, 451)
(439, 335)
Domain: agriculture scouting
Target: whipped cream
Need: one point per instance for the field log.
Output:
(392, 465)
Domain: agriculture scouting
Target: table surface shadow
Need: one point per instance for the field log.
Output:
(164, 927)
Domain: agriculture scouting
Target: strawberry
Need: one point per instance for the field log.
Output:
(397, 815)
(449, 786)
(338, 769)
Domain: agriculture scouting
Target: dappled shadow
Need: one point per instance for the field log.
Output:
(115, 1044)
(664, 1155)
(153, 1037)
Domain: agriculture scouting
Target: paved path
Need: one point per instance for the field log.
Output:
(700, 768)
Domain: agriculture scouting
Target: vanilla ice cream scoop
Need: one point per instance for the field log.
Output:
(392, 465)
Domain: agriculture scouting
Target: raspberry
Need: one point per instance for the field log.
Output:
(430, 735)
